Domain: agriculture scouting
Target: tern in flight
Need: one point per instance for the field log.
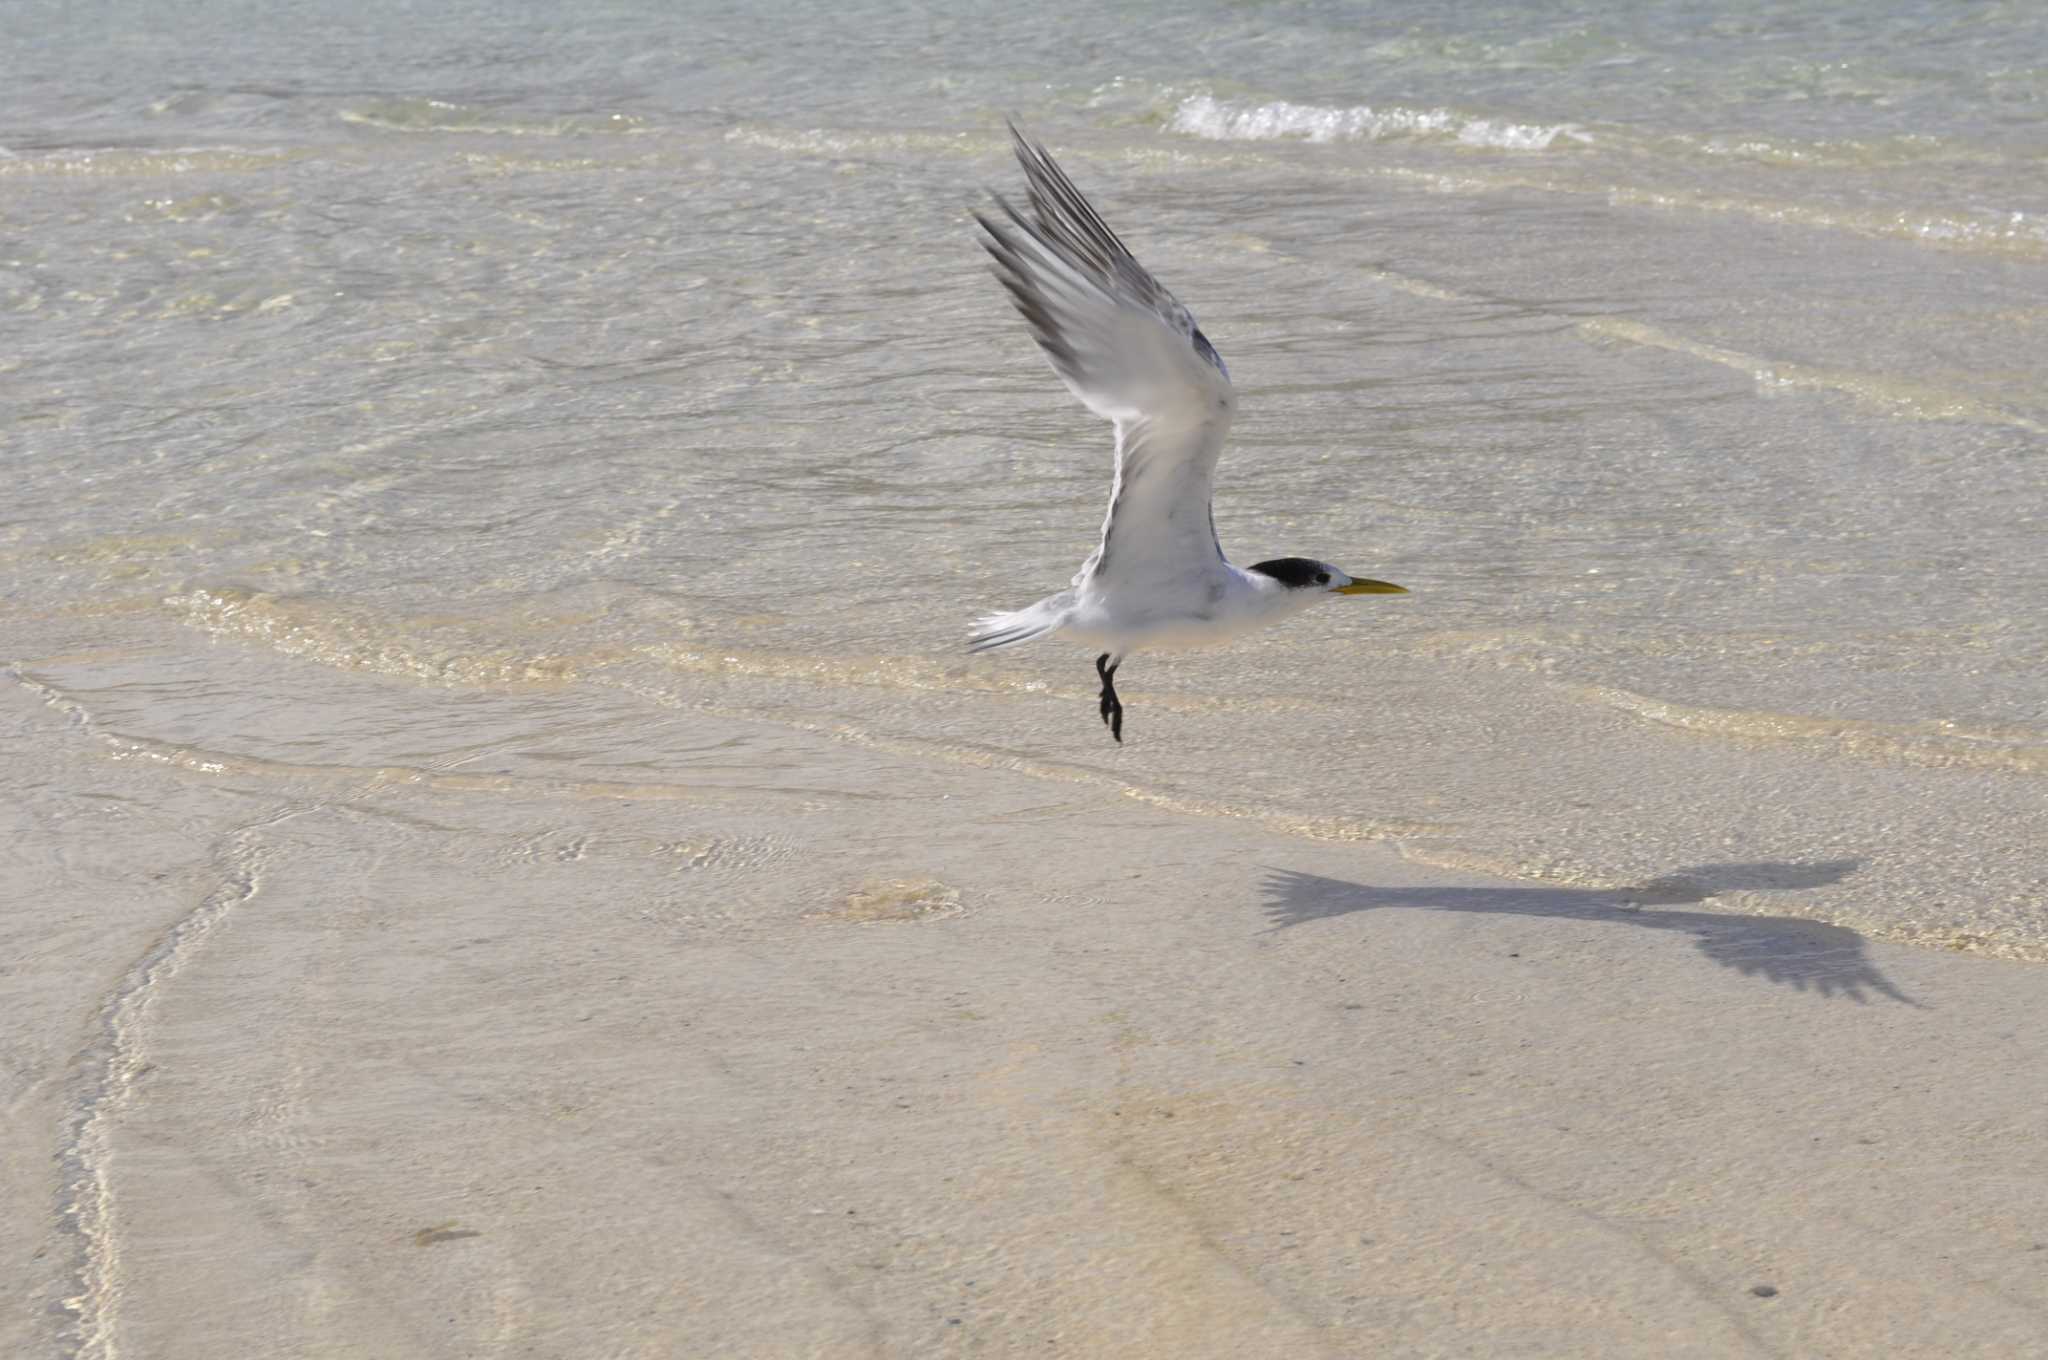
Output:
(1134, 356)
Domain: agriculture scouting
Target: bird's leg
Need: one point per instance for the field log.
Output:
(1112, 707)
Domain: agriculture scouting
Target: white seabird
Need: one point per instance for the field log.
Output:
(1134, 356)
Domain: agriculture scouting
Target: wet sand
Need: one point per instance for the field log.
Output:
(417, 1060)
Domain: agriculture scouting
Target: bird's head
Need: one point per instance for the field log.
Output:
(1305, 578)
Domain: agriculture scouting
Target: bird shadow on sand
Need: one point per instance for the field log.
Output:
(1806, 955)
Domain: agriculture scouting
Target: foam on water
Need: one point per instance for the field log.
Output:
(1220, 120)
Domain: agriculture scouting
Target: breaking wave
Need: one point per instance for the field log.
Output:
(1242, 121)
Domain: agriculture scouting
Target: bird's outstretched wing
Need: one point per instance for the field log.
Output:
(1134, 356)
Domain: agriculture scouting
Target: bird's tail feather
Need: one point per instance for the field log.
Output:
(994, 631)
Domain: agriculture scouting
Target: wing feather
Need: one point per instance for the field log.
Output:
(1131, 354)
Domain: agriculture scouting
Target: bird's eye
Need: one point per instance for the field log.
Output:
(1322, 578)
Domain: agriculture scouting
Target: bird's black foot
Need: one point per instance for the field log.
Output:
(1112, 707)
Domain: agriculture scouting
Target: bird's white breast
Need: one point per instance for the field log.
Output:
(1201, 609)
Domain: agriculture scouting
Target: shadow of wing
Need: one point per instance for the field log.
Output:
(1800, 954)
(1789, 951)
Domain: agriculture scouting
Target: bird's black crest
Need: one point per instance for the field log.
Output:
(1295, 573)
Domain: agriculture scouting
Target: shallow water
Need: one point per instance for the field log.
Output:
(494, 505)
(1684, 362)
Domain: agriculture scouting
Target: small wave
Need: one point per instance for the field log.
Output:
(1242, 121)
(901, 672)
(1287, 821)
(352, 638)
(132, 161)
(1616, 156)
(1893, 396)
(1932, 744)
(417, 115)
(2000, 233)
(207, 761)
(1825, 153)
(1422, 288)
(820, 142)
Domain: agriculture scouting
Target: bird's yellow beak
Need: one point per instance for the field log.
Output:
(1371, 588)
